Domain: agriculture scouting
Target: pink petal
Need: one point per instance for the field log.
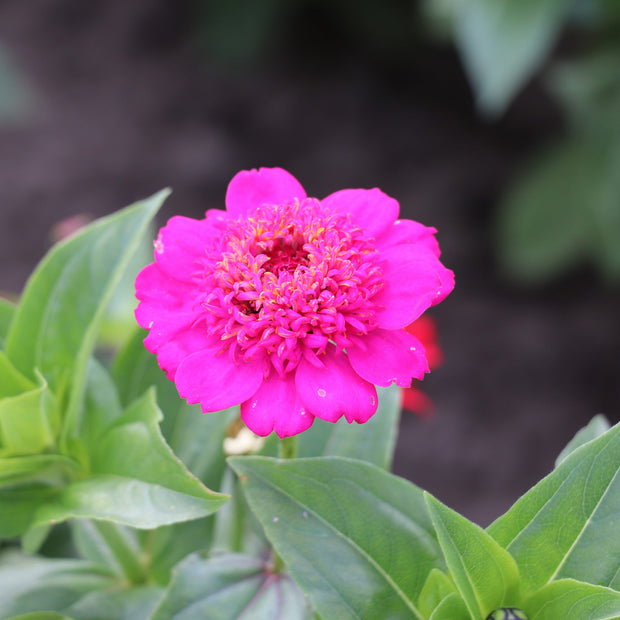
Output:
(390, 356)
(215, 381)
(159, 290)
(252, 188)
(181, 244)
(370, 209)
(276, 406)
(335, 390)
(415, 280)
(177, 347)
(408, 231)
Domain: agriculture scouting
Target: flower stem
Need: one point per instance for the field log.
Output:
(123, 549)
(288, 448)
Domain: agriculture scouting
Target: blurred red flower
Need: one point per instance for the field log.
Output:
(412, 398)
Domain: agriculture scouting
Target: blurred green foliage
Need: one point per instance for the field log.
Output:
(15, 96)
(564, 210)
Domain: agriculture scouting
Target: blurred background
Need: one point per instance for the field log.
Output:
(497, 122)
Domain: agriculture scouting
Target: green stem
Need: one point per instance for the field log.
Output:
(288, 448)
(124, 551)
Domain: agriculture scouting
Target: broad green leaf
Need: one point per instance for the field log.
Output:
(451, 608)
(373, 441)
(12, 382)
(29, 422)
(134, 479)
(119, 322)
(436, 588)
(102, 408)
(503, 42)
(133, 448)
(123, 500)
(7, 310)
(55, 325)
(357, 540)
(566, 526)
(484, 573)
(230, 586)
(32, 584)
(595, 428)
(567, 599)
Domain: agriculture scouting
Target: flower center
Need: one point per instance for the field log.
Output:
(287, 280)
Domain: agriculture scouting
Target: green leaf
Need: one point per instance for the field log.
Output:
(29, 422)
(235, 527)
(566, 526)
(120, 603)
(196, 438)
(32, 584)
(451, 608)
(135, 370)
(543, 225)
(102, 408)
(484, 573)
(7, 310)
(230, 586)
(503, 42)
(55, 325)
(436, 588)
(135, 479)
(16, 96)
(42, 615)
(373, 441)
(357, 540)
(569, 599)
(133, 448)
(597, 426)
(12, 382)
(123, 500)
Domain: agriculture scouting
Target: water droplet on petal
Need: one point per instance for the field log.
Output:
(254, 404)
(303, 412)
(412, 348)
(150, 324)
(321, 392)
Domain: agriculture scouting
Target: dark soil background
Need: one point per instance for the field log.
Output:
(127, 101)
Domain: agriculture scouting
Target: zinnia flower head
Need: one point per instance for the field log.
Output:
(290, 306)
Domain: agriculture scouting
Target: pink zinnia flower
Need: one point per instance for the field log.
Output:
(293, 307)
